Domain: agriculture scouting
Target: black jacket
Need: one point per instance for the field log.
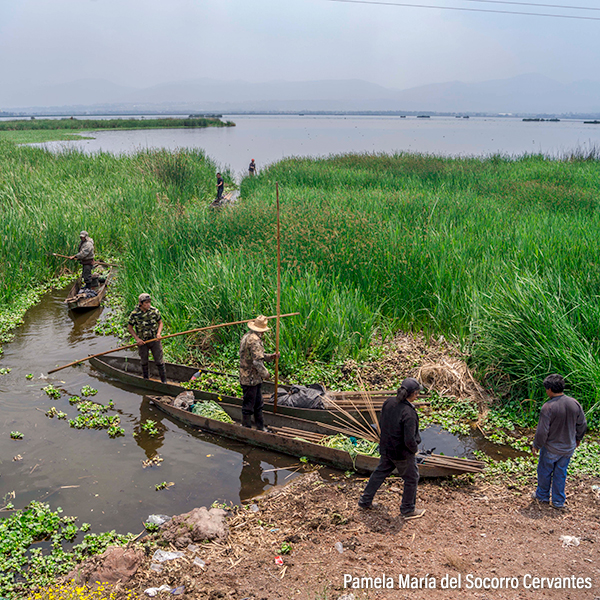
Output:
(399, 425)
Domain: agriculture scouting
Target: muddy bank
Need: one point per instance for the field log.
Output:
(478, 529)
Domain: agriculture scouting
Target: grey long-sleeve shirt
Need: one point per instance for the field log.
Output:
(562, 424)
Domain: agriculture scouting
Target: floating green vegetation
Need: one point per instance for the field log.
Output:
(87, 390)
(163, 486)
(214, 382)
(93, 416)
(211, 410)
(52, 392)
(29, 376)
(23, 568)
(150, 427)
(5, 370)
(52, 412)
(16, 435)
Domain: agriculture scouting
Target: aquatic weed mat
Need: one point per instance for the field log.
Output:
(480, 529)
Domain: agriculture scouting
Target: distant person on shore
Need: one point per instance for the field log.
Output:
(398, 446)
(253, 372)
(220, 186)
(85, 255)
(252, 168)
(145, 323)
(560, 430)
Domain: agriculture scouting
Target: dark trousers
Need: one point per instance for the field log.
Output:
(252, 404)
(219, 193)
(407, 469)
(86, 274)
(157, 352)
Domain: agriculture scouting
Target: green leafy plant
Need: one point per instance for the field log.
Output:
(16, 435)
(286, 548)
(87, 390)
(29, 376)
(52, 392)
(5, 370)
(150, 427)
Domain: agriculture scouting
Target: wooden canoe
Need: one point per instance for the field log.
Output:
(75, 301)
(129, 370)
(299, 437)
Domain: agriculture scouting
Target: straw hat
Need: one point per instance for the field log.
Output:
(259, 324)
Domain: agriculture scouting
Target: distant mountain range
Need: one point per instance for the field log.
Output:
(524, 94)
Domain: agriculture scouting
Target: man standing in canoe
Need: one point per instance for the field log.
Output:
(145, 323)
(253, 372)
(398, 445)
(85, 255)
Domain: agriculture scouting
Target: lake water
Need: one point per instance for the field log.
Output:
(270, 138)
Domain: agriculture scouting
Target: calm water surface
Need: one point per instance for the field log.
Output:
(270, 138)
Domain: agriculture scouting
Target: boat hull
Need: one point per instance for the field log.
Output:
(85, 303)
(293, 446)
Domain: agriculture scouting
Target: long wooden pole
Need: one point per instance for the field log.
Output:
(278, 301)
(98, 262)
(164, 338)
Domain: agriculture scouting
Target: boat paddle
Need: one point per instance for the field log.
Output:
(164, 337)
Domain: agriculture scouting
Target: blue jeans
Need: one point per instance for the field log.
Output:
(552, 471)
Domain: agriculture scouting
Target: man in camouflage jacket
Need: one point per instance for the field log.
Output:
(145, 323)
(253, 372)
(85, 255)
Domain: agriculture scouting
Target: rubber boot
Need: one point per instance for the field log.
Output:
(259, 420)
(162, 372)
(246, 420)
(145, 372)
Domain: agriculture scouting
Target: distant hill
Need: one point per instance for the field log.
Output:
(524, 94)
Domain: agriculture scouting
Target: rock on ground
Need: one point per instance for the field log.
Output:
(197, 525)
(116, 564)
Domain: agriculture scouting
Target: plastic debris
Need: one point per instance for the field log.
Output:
(254, 507)
(178, 590)
(161, 555)
(199, 562)
(346, 597)
(193, 548)
(275, 529)
(279, 560)
(595, 489)
(569, 540)
(155, 567)
(158, 519)
(339, 547)
(154, 591)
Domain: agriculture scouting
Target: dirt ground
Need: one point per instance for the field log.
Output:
(469, 529)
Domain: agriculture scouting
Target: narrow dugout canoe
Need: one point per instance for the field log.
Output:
(76, 302)
(285, 437)
(129, 370)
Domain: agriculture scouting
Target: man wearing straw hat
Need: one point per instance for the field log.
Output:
(145, 323)
(398, 445)
(253, 372)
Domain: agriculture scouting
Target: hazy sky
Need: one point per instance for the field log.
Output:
(145, 42)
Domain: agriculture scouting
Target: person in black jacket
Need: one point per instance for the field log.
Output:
(398, 446)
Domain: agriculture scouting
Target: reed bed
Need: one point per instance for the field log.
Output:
(498, 253)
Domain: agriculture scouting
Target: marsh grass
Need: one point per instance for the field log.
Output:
(498, 253)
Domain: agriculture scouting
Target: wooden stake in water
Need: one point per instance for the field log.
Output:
(278, 300)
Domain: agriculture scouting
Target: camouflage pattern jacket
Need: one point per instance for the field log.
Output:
(145, 323)
(85, 255)
(252, 357)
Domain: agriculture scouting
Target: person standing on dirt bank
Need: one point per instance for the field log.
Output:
(252, 168)
(145, 323)
(560, 430)
(253, 372)
(398, 446)
(85, 255)
(220, 186)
